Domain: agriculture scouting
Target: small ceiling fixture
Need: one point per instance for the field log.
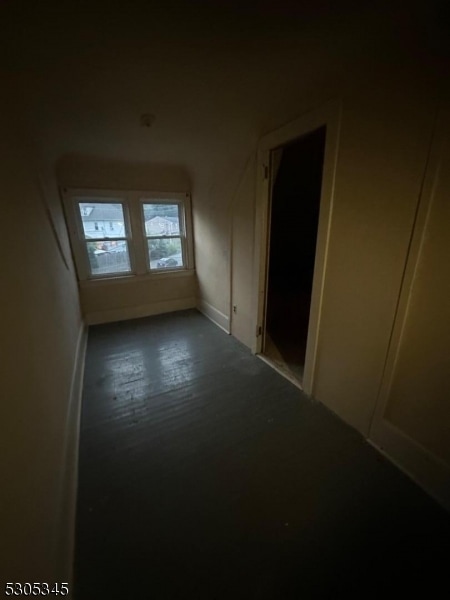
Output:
(147, 120)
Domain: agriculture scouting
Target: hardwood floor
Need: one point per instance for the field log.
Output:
(204, 474)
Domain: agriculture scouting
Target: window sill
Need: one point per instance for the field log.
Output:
(130, 278)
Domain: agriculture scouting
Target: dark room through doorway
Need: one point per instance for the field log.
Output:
(296, 182)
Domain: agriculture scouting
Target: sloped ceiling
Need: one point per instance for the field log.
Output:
(215, 74)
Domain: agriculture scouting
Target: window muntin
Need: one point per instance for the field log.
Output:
(165, 233)
(105, 233)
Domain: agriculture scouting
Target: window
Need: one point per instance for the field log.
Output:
(128, 234)
(107, 252)
(163, 231)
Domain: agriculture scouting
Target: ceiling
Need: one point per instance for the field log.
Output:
(215, 75)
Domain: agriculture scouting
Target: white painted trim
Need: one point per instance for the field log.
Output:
(423, 467)
(214, 315)
(328, 115)
(69, 477)
(260, 258)
(136, 312)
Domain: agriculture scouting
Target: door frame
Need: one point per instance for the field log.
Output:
(328, 115)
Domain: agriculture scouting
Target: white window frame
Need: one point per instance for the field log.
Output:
(164, 199)
(133, 206)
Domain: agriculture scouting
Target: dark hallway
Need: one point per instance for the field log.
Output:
(204, 474)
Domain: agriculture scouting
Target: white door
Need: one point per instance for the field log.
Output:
(412, 418)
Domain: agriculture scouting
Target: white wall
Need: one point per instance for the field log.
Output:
(117, 300)
(40, 336)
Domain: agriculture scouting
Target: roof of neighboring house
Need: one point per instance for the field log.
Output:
(111, 212)
(160, 218)
(106, 212)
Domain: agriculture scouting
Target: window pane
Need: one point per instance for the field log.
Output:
(165, 254)
(102, 220)
(108, 257)
(161, 219)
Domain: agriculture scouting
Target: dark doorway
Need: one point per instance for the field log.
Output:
(295, 203)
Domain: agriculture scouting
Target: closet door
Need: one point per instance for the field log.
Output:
(412, 419)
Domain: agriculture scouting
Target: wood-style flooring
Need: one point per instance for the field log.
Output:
(204, 474)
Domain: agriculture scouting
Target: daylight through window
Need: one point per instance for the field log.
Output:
(163, 229)
(127, 234)
(107, 247)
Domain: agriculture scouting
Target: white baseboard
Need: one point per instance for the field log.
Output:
(214, 315)
(427, 470)
(136, 312)
(69, 480)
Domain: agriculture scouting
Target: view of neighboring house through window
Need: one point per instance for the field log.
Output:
(164, 230)
(105, 234)
(126, 233)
